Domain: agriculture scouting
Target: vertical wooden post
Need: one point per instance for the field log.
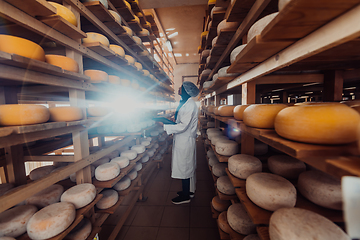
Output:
(3, 175)
(333, 86)
(217, 104)
(248, 97)
(15, 167)
(284, 97)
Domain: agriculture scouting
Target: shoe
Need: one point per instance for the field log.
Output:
(192, 195)
(180, 199)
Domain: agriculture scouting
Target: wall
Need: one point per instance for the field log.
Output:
(180, 70)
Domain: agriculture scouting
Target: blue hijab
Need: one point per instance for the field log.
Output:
(184, 97)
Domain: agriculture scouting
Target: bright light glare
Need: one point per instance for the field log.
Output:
(177, 54)
(173, 34)
(170, 29)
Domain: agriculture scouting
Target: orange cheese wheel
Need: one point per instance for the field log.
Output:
(115, 15)
(93, 37)
(262, 115)
(46, 197)
(114, 80)
(98, 111)
(226, 111)
(65, 63)
(22, 47)
(117, 49)
(23, 114)
(79, 195)
(81, 231)
(223, 223)
(332, 123)
(216, 110)
(65, 13)
(97, 76)
(130, 59)
(65, 114)
(238, 111)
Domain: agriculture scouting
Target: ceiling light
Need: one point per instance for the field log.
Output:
(173, 34)
(187, 54)
(170, 29)
(277, 90)
(168, 45)
(177, 54)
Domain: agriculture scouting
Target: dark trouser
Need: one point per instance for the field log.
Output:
(186, 186)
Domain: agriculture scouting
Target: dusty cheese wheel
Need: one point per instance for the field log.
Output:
(259, 25)
(65, 13)
(282, 4)
(23, 114)
(115, 15)
(65, 114)
(101, 161)
(130, 154)
(130, 59)
(46, 197)
(215, 139)
(145, 72)
(97, 76)
(93, 37)
(65, 63)
(145, 158)
(81, 231)
(22, 47)
(213, 160)
(224, 185)
(223, 72)
(151, 153)
(243, 165)
(286, 166)
(332, 123)
(239, 220)
(13, 221)
(223, 223)
(210, 153)
(238, 111)
(114, 80)
(123, 184)
(215, 77)
(137, 40)
(270, 191)
(80, 195)
(138, 66)
(209, 130)
(219, 169)
(132, 174)
(107, 171)
(123, 162)
(299, 224)
(41, 172)
(226, 111)
(109, 199)
(4, 187)
(145, 143)
(321, 189)
(138, 166)
(220, 205)
(117, 49)
(98, 111)
(235, 52)
(138, 148)
(252, 237)
(213, 42)
(262, 115)
(227, 147)
(224, 25)
(214, 134)
(92, 171)
(51, 220)
(206, 71)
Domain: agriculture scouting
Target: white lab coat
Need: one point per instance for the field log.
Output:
(184, 142)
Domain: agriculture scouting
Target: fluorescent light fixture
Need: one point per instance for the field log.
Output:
(277, 90)
(173, 34)
(177, 54)
(349, 88)
(309, 92)
(170, 29)
(310, 84)
(187, 54)
(168, 45)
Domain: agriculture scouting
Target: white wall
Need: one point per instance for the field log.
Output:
(181, 70)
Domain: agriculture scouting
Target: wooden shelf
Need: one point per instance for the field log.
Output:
(236, 182)
(217, 50)
(220, 82)
(218, 16)
(238, 10)
(225, 36)
(131, 187)
(224, 196)
(99, 10)
(34, 7)
(115, 27)
(210, 36)
(136, 27)
(263, 233)
(219, 157)
(112, 209)
(100, 49)
(126, 13)
(118, 59)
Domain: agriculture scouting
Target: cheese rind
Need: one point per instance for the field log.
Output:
(138, 148)
(239, 220)
(259, 25)
(261, 115)
(286, 166)
(236, 52)
(65, 114)
(131, 154)
(220, 205)
(81, 231)
(123, 162)
(227, 147)
(65, 13)
(223, 223)
(40, 172)
(109, 199)
(117, 49)
(115, 15)
(23, 114)
(107, 171)
(225, 186)
(132, 174)
(46, 197)
(97, 76)
(98, 111)
(238, 111)
(123, 184)
(65, 63)
(226, 111)
(219, 169)
(79, 195)
(224, 25)
(243, 165)
(93, 37)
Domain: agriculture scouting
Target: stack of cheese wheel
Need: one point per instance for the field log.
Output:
(300, 224)
(216, 109)
(138, 148)
(51, 220)
(207, 84)
(65, 114)
(80, 195)
(223, 222)
(125, 82)
(117, 49)
(23, 114)
(321, 189)
(13, 221)
(138, 66)
(262, 115)
(109, 199)
(123, 184)
(115, 15)
(326, 123)
(98, 111)
(226, 111)
(4, 187)
(239, 220)
(145, 143)
(213, 42)
(65, 63)
(259, 25)
(205, 54)
(107, 171)
(130, 154)
(286, 166)
(224, 25)
(114, 80)
(216, 9)
(270, 191)
(101, 161)
(220, 205)
(40, 172)
(213, 134)
(93, 37)
(97, 76)
(227, 147)
(92, 171)
(81, 231)
(65, 13)
(123, 162)
(243, 165)
(132, 174)
(223, 72)
(219, 169)
(46, 197)
(225, 186)
(238, 111)
(236, 52)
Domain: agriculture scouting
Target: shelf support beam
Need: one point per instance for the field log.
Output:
(333, 86)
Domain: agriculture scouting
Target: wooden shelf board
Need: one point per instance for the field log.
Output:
(99, 10)
(131, 187)
(225, 36)
(220, 82)
(237, 11)
(115, 27)
(343, 166)
(87, 208)
(224, 196)
(34, 7)
(93, 233)
(210, 36)
(136, 27)
(147, 38)
(128, 40)
(218, 16)
(112, 209)
(118, 3)
(236, 182)
(263, 233)
(126, 13)
(137, 48)
(100, 49)
(217, 50)
(118, 59)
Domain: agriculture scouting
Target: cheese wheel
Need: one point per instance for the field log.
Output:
(135, 20)
(128, 30)
(92, 37)
(282, 4)
(243, 165)
(40, 172)
(109, 199)
(220, 205)
(7, 238)
(286, 166)
(92, 171)
(216, 9)
(115, 15)
(22, 47)
(224, 185)
(46, 197)
(98, 111)
(107, 171)
(211, 2)
(212, 130)
(65, 114)
(210, 153)
(65, 13)
(151, 153)
(239, 220)
(127, 4)
(260, 148)
(117, 49)
(224, 25)
(145, 72)
(81, 231)
(51, 220)
(101, 161)
(299, 224)
(65, 63)
(235, 52)
(23, 114)
(215, 77)
(130, 59)
(123, 162)
(216, 139)
(132, 174)
(259, 25)
(223, 223)
(213, 42)
(223, 72)
(226, 111)
(137, 40)
(270, 191)
(321, 189)
(138, 166)
(227, 147)
(145, 158)
(103, 2)
(125, 82)
(130, 154)
(145, 143)
(144, 32)
(114, 80)
(97, 76)
(13, 221)
(138, 66)
(262, 115)
(4, 187)
(80, 195)
(206, 71)
(332, 123)
(123, 184)
(252, 237)
(207, 84)
(211, 135)
(219, 169)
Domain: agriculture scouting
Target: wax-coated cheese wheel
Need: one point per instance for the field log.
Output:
(98, 111)
(41, 172)
(114, 80)
(128, 30)
(117, 49)
(226, 111)
(103, 2)
(13, 221)
(101, 161)
(130, 154)
(92, 171)
(236, 52)
(46, 197)
(224, 25)
(227, 147)
(332, 123)
(123, 184)
(138, 66)
(220, 205)
(219, 169)
(270, 191)
(132, 174)
(138, 166)
(107, 171)
(252, 237)
(300, 224)
(262, 115)
(97, 76)
(223, 223)
(321, 189)
(123, 162)
(286, 166)
(239, 220)
(65, 63)
(80, 195)
(4, 187)
(109, 199)
(238, 111)
(243, 165)
(93, 37)
(51, 220)
(115, 15)
(65, 13)
(282, 4)
(81, 231)
(23, 114)
(216, 9)
(259, 25)
(223, 72)
(225, 186)
(65, 114)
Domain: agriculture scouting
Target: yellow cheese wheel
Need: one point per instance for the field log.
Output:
(128, 30)
(238, 111)
(93, 37)
(138, 66)
(98, 111)
(262, 115)
(23, 114)
(114, 79)
(127, 5)
(65, 114)
(145, 72)
(130, 59)
(65, 63)
(115, 15)
(125, 82)
(135, 20)
(226, 111)
(65, 13)
(144, 32)
(22, 47)
(147, 24)
(97, 76)
(332, 123)
(144, 53)
(211, 2)
(117, 49)
(211, 109)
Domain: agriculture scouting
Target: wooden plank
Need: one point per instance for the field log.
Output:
(263, 232)
(115, 27)
(100, 49)
(99, 10)
(136, 27)
(236, 182)
(333, 86)
(126, 13)
(224, 196)
(238, 10)
(112, 209)
(34, 7)
(225, 36)
(210, 36)
(118, 59)
(343, 166)
(128, 40)
(118, 3)
(131, 188)
(49, 158)
(298, 78)
(15, 167)
(222, 3)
